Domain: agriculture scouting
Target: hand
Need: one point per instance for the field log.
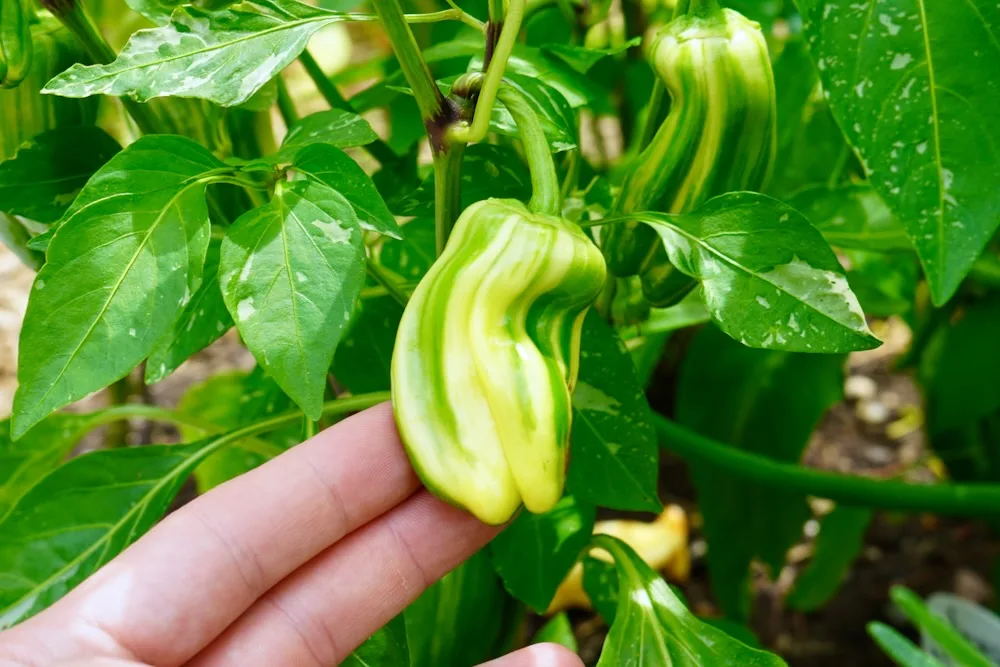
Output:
(293, 564)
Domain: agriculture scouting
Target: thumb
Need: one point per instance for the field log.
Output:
(538, 655)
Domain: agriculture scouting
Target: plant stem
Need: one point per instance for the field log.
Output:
(960, 499)
(411, 62)
(382, 277)
(119, 393)
(447, 192)
(286, 105)
(480, 124)
(545, 188)
(378, 148)
(453, 14)
(496, 11)
(77, 19)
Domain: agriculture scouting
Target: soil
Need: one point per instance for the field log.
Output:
(875, 432)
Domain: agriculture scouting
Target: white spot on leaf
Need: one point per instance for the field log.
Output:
(245, 309)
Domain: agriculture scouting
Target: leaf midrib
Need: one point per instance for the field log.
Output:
(734, 263)
(186, 464)
(207, 49)
(936, 124)
(114, 291)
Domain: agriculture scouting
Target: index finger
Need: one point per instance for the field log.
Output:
(173, 591)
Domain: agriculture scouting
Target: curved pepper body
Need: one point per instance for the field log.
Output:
(486, 358)
(15, 42)
(718, 137)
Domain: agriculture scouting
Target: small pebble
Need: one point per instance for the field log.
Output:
(878, 454)
(860, 387)
(872, 412)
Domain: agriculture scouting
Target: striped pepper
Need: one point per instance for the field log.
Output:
(486, 358)
(24, 111)
(15, 42)
(718, 137)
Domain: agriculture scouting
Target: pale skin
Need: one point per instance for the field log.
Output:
(295, 563)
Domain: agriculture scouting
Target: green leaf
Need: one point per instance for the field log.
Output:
(939, 629)
(769, 278)
(334, 127)
(123, 262)
(911, 83)
(202, 322)
(652, 627)
(455, 621)
(960, 368)
(291, 271)
(39, 451)
(533, 63)
(841, 537)
(614, 454)
(82, 515)
(536, 552)
(364, 358)
(557, 631)
(811, 146)
(16, 236)
(851, 216)
(581, 58)
(600, 581)
(228, 401)
(487, 171)
(885, 283)
(554, 113)
(765, 402)
(335, 168)
(223, 55)
(902, 651)
(48, 171)
(386, 648)
(411, 257)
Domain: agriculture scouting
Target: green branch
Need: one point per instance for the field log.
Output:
(447, 192)
(411, 61)
(959, 499)
(77, 19)
(378, 149)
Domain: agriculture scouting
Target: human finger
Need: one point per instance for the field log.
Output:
(538, 655)
(170, 594)
(325, 610)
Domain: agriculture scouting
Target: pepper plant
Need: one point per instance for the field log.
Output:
(778, 178)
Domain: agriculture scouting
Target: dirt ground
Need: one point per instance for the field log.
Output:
(875, 432)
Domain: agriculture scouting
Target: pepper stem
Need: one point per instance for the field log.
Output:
(696, 7)
(545, 188)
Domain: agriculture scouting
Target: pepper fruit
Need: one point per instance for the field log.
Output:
(486, 358)
(15, 42)
(719, 136)
(24, 111)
